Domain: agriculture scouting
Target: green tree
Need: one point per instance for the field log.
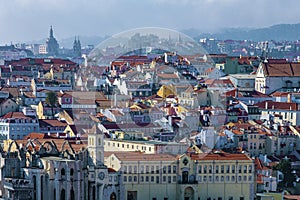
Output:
(51, 99)
(286, 168)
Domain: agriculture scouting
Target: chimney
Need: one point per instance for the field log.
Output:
(289, 98)
(266, 105)
(170, 120)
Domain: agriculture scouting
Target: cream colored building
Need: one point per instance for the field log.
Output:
(211, 176)
(145, 146)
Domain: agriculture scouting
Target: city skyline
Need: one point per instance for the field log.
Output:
(30, 20)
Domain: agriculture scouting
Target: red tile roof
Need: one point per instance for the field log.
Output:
(15, 115)
(281, 69)
(220, 156)
(137, 156)
(277, 105)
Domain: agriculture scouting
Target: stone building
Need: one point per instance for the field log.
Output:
(55, 168)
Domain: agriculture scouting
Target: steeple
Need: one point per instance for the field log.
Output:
(77, 47)
(52, 45)
(51, 32)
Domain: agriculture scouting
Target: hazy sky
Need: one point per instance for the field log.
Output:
(24, 20)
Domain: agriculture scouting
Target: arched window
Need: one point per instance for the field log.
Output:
(63, 172)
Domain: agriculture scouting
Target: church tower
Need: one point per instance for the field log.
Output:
(77, 47)
(52, 44)
(96, 147)
(98, 172)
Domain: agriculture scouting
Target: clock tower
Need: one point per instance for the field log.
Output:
(98, 172)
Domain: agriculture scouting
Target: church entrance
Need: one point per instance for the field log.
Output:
(189, 193)
(113, 196)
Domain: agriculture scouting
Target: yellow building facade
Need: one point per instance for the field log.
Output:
(211, 176)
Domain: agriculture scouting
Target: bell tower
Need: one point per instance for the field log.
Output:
(96, 147)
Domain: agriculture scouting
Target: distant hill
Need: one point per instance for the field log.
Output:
(278, 32)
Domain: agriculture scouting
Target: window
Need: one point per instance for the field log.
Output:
(142, 169)
(232, 178)
(210, 178)
(232, 169)
(125, 178)
(174, 169)
(169, 169)
(130, 169)
(135, 178)
(130, 179)
(142, 178)
(249, 169)
(222, 178)
(157, 169)
(152, 169)
(157, 179)
(204, 178)
(164, 178)
(199, 178)
(210, 169)
(217, 169)
(147, 178)
(199, 169)
(267, 184)
(227, 178)
(227, 169)
(240, 169)
(217, 178)
(63, 172)
(240, 178)
(135, 169)
(169, 179)
(152, 178)
(245, 178)
(205, 169)
(250, 178)
(147, 169)
(222, 169)
(164, 169)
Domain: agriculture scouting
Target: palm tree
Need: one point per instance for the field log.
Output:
(51, 100)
